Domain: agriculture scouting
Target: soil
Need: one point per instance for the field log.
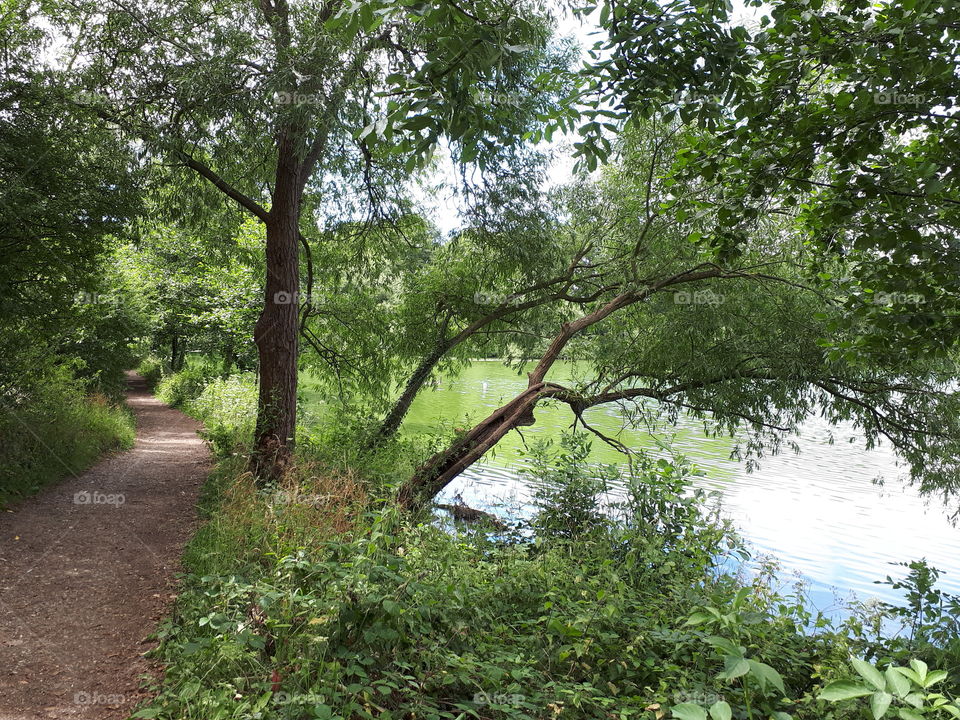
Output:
(87, 568)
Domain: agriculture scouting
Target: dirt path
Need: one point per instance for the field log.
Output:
(86, 570)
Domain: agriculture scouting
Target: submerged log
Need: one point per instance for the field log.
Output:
(463, 512)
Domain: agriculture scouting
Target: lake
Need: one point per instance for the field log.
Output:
(818, 512)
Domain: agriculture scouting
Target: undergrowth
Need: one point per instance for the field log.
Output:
(318, 598)
(55, 429)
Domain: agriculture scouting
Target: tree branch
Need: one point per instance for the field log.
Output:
(223, 186)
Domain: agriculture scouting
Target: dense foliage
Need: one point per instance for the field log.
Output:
(307, 600)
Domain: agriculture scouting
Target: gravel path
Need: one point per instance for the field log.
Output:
(86, 571)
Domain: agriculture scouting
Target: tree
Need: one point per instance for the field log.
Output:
(196, 289)
(69, 193)
(281, 107)
(845, 111)
(664, 325)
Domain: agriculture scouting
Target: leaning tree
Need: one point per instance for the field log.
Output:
(839, 118)
(660, 323)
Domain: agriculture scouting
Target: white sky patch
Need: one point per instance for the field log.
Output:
(434, 193)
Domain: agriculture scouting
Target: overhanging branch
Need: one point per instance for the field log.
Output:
(223, 186)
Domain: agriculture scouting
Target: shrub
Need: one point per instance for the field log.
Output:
(228, 409)
(151, 369)
(181, 387)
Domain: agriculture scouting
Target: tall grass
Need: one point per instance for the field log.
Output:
(54, 429)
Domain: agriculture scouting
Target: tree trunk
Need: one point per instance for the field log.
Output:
(228, 358)
(176, 353)
(435, 474)
(276, 331)
(391, 423)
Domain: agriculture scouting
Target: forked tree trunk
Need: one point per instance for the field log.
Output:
(276, 333)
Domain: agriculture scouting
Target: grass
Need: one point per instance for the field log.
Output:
(55, 430)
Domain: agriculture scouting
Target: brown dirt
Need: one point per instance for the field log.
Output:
(82, 584)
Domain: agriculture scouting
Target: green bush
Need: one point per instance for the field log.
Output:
(151, 369)
(228, 409)
(181, 387)
(54, 429)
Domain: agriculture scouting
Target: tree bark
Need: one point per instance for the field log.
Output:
(277, 329)
(175, 352)
(228, 357)
(435, 474)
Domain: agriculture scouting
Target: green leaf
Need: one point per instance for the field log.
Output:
(934, 677)
(869, 673)
(720, 711)
(915, 699)
(907, 714)
(766, 675)
(688, 711)
(723, 644)
(843, 690)
(322, 712)
(734, 666)
(920, 668)
(896, 682)
(879, 703)
(909, 674)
